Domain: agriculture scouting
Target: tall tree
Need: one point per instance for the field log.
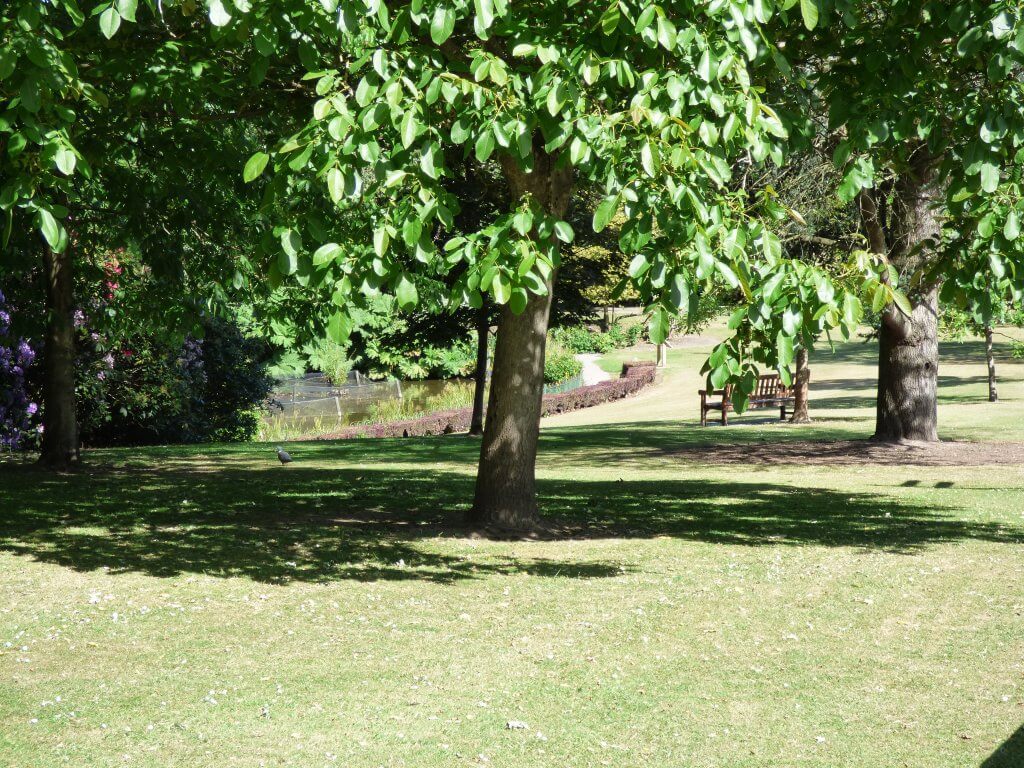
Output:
(648, 103)
(108, 144)
(924, 98)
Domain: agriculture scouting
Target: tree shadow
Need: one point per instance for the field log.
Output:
(320, 524)
(1010, 754)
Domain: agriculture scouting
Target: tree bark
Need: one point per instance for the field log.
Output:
(801, 391)
(505, 498)
(908, 349)
(908, 373)
(60, 425)
(483, 328)
(990, 359)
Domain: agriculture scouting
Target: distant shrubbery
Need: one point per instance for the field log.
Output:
(146, 390)
(560, 365)
(581, 340)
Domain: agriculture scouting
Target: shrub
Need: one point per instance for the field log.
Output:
(580, 340)
(146, 390)
(560, 365)
(332, 360)
(16, 407)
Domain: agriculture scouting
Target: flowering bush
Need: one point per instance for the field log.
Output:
(16, 408)
(145, 390)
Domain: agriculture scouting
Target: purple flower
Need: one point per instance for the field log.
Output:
(108, 360)
(79, 318)
(32, 409)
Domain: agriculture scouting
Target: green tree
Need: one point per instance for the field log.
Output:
(646, 103)
(132, 142)
(924, 97)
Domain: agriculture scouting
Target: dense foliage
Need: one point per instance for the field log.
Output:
(16, 406)
(144, 390)
(560, 365)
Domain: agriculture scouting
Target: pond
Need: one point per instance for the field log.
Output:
(311, 404)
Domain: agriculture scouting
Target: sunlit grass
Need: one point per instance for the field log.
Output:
(205, 606)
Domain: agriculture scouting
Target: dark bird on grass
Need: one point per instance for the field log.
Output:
(282, 454)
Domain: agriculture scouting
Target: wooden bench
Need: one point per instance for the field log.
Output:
(770, 392)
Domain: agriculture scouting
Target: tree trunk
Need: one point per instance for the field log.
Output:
(990, 358)
(60, 426)
(662, 355)
(505, 498)
(908, 348)
(908, 373)
(476, 424)
(801, 391)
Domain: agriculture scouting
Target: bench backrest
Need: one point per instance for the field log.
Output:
(769, 385)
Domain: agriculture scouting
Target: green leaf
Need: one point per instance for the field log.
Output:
(339, 328)
(679, 292)
(518, 300)
(291, 241)
(522, 222)
(219, 15)
(410, 129)
(989, 177)
(381, 240)
(501, 289)
(442, 24)
(659, 325)
(427, 161)
(110, 22)
(556, 98)
(784, 349)
(997, 266)
(51, 229)
(605, 212)
(65, 160)
(484, 146)
(809, 11)
(484, 12)
(1011, 229)
(126, 9)
(325, 254)
(336, 184)
(255, 166)
(406, 293)
(563, 231)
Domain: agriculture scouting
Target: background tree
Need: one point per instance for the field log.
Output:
(923, 97)
(133, 143)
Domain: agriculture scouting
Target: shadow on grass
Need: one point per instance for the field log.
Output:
(1010, 754)
(164, 515)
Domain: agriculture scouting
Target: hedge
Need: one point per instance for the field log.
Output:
(635, 376)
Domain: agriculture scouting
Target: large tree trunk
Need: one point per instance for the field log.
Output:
(990, 359)
(476, 424)
(60, 426)
(802, 389)
(505, 498)
(908, 373)
(908, 348)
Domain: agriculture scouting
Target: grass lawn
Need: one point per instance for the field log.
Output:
(204, 606)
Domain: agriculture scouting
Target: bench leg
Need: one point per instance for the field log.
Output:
(703, 416)
(725, 413)
(782, 412)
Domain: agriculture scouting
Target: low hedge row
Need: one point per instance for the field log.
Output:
(635, 376)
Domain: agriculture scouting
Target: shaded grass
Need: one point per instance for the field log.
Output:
(204, 606)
